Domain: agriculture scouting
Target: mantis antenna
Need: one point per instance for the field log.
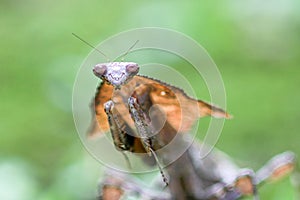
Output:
(130, 48)
(91, 46)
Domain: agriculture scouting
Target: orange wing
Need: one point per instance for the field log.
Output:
(181, 110)
(99, 124)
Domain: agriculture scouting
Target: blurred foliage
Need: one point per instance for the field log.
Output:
(255, 44)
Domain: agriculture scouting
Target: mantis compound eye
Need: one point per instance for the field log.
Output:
(100, 70)
(132, 69)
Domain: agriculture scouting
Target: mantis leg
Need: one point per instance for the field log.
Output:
(143, 128)
(122, 140)
(117, 128)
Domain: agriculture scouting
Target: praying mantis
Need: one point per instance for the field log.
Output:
(121, 85)
(144, 114)
(124, 99)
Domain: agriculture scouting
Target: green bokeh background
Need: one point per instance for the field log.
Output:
(255, 44)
